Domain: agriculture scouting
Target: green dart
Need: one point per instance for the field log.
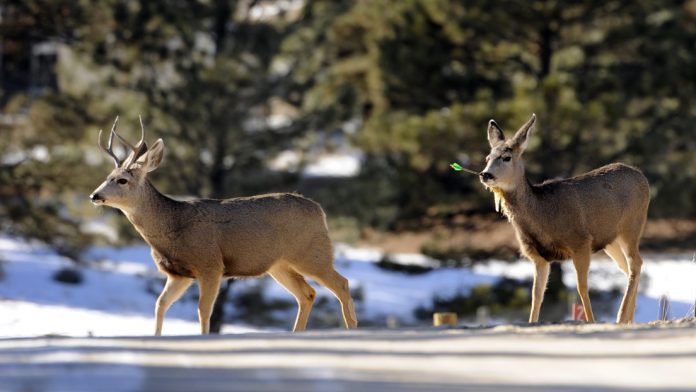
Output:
(458, 167)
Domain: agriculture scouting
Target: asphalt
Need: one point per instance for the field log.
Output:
(506, 358)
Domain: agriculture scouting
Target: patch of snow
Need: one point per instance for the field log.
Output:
(270, 10)
(343, 163)
(671, 275)
(373, 255)
(276, 121)
(117, 295)
(27, 319)
(394, 294)
(99, 227)
(334, 165)
(286, 160)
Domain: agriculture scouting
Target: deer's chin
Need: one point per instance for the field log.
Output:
(496, 186)
(488, 183)
(103, 203)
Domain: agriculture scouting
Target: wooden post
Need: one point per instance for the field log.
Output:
(445, 318)
(693, 260)
(664, 308)
(483, 315)
(579, 313)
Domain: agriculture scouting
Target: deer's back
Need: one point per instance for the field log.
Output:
(257, 231)
(619, 185)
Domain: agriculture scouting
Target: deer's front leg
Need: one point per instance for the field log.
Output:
(541, 277)
(581, 261)
(208, 286)
(173, 289)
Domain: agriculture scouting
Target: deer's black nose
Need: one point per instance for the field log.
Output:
(486, 176)
(96, 197)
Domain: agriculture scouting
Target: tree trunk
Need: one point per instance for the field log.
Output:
(556, 297)
(546, 38)
(547, 148)
(217, 172)
(217, 319)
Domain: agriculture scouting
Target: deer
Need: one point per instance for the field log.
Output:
(284, 235)
(603, 209)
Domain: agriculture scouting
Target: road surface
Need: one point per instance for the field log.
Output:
(506, 358)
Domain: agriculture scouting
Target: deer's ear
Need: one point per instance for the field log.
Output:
(153, 158)
(521, 139)
(495, 134)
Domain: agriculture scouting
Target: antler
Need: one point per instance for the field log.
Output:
(140, 148)
(142, 131)
(110, 150)
(142, 137)
(136, 151)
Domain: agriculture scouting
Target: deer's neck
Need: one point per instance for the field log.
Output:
(155, 215)
(520, 202)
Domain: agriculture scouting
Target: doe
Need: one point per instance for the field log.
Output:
(282, 234)
(605, 208)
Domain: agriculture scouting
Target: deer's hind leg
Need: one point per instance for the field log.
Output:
(614, 251)
(338, 285)
(634, 263)
(299, 288)
(173, 290)
(317, 263)
(617, 254)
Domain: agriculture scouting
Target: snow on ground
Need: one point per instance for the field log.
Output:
(112, 300)
(27, 319)
(673, 276)
(120, 286)
(334, 165)
(343, 163)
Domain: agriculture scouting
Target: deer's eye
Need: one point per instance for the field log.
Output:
(122, 181)
(506, 159)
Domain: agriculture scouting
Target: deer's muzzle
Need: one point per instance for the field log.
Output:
(96, 198)
(486, 176)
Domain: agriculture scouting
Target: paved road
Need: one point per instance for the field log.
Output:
(553, 358)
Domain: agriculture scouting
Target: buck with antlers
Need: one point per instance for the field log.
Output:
(605, 208)
(284, 235)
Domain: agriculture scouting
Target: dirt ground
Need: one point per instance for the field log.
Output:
(505, 358)
(494, 233)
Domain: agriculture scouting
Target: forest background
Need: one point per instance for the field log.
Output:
(248, 94)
